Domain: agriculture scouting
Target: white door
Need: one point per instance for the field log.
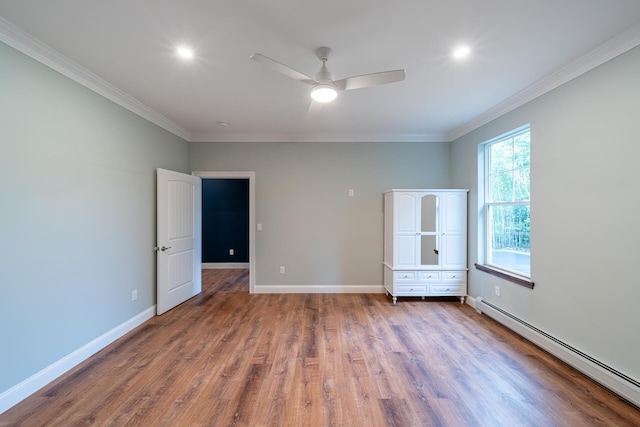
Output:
(178, 237)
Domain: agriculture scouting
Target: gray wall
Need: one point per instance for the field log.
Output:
(77, 215)
(584, 212)
(325, 239)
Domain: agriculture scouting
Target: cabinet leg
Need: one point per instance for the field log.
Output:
(461, 300)
(422, 297)
(395, 299)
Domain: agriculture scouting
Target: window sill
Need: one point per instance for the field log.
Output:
(527, 283)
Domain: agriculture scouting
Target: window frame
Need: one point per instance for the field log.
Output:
(485, 232)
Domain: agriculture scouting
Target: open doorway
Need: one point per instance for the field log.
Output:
(246, 177)
(225, 223)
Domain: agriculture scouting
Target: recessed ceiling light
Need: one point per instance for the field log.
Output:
(184, 52)
(461, 52)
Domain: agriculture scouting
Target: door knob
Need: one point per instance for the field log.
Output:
(164, 248)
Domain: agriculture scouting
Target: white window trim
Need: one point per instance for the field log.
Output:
(484, 226)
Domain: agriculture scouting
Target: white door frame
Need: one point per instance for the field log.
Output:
(251, 176)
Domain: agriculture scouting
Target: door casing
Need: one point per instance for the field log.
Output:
(251, 176)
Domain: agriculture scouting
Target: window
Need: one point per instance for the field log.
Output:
(507, 203)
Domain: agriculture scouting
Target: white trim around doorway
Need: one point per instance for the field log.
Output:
(251, 176)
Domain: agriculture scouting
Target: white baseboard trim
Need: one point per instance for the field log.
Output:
(225, 265)
(471, 301)
(329, 289)
(623, 385)
(34, 383)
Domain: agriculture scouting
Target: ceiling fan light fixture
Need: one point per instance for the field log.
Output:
(324, 92)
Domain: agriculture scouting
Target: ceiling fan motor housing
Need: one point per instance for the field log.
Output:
(324, 75)
(323, 53)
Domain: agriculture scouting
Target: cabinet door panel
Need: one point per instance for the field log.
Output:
(454, 220)
(406, 212)
(407, 255)
(454, 251)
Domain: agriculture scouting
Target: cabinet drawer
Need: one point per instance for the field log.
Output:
(405, 276)
(451, 289)
(453, 276)
(429, 276)
(412, 289)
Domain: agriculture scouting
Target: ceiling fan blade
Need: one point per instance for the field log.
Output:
(282, 69)
(368, 80)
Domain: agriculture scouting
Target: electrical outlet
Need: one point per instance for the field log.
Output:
(351, 192)
(282, 269)
(134, 295)
(259, 227)
(231, 252)
(497, 290)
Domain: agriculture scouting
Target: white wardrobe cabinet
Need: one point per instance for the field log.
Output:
(425, 243)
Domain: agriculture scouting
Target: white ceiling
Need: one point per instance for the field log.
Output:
(521, 48)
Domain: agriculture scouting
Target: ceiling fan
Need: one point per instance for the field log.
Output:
(323, 87)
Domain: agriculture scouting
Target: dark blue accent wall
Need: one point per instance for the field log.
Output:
(225, 220)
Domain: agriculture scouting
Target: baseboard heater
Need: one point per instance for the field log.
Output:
(623, 385)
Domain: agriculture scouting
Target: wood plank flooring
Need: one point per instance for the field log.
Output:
(228, 358)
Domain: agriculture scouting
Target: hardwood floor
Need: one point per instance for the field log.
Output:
(228, 358)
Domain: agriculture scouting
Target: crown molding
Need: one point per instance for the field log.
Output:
(34, 48)
(30, 46)
(615, 46)
(315, 137)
